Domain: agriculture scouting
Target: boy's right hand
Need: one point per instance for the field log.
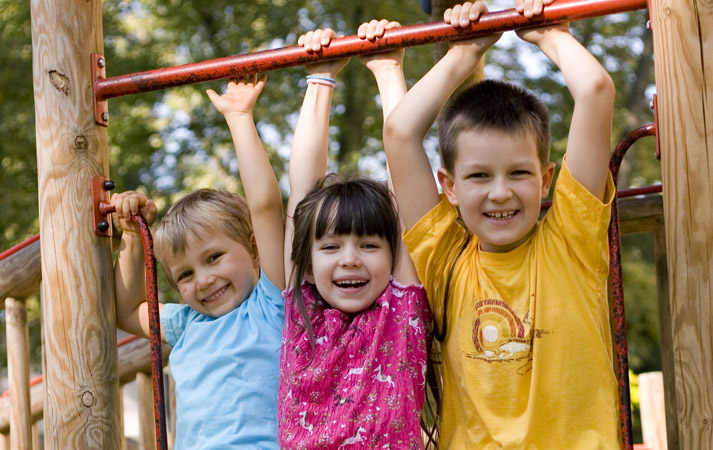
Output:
(463, 16)
(133, 203)
(313, 41)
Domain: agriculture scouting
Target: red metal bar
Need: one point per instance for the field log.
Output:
(617, 284)
(407, 36)
(18, 247)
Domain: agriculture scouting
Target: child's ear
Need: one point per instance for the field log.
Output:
(548, 174)
(253, 251)
(309, 277)
(448, 185)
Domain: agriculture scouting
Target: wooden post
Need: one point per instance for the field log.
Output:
(18, 365)
(147, 428)
(666, 337)
(683, 48)
(78, 317)
(653, 415)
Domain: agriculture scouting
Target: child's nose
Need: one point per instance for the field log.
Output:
(499, 191)
(205, 279)
(350, 257)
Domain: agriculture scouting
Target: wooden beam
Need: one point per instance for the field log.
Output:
(683, 48)
(20, 272)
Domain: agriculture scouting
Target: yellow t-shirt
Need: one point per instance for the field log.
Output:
(527, 358)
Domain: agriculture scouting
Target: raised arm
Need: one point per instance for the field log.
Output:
(406, 126)
(387, 68)
(259, 183)
(589, 140)
(132, 313)
(308, 160)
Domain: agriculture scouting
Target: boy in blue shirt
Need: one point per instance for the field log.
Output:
(228, 268)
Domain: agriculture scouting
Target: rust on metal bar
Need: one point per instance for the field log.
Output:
(407, 36)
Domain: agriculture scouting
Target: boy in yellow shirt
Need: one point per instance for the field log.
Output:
(520, 304)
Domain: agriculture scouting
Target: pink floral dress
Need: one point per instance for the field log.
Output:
(363, 386)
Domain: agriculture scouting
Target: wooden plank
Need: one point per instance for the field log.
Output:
(18, 368)
(79, 345)
(640, 214)
(683, 47)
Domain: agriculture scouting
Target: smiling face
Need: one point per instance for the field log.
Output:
(350, 271)
(498, 184)
(214, 274)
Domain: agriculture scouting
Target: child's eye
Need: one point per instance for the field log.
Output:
(521, 172)
(329, 247)
(370, 245)
(183, 275)
(478, 175)
(214, 256)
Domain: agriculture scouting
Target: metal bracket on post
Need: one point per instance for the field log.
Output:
(101, 108)
(101, 206)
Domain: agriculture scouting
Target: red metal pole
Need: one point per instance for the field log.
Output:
(407, 36)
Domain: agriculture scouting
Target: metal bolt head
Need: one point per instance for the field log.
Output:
(109, 185)
(105, 117)
(103, 226)
(100, 62)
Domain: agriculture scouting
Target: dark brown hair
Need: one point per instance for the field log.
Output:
(357, 206)
(493, 105)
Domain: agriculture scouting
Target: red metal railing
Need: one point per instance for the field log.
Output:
(617, 284)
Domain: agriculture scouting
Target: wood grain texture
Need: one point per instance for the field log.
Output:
(79, 337)
(683, 48)
(18, 368)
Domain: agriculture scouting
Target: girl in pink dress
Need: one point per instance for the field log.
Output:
(353, 363)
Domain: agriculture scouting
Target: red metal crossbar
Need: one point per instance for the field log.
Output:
(407, 36)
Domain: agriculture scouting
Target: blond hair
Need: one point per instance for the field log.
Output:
(198, 214)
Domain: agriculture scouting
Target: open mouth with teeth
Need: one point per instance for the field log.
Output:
(350, 284)
(501, 215)
(215, 295)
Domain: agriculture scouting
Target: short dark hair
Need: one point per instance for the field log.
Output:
(493, 105)
(359, 206)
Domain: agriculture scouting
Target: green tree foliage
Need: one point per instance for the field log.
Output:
(169, 142)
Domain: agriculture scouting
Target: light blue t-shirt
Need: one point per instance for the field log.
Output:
(227, 372)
